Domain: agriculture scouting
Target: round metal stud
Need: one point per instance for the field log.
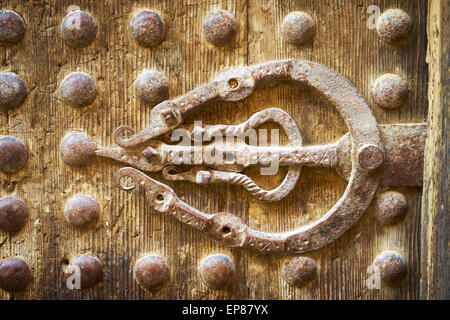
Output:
(13, 154)
(78, 89)
(220, 27)
(217, 271)
(91, 270)
(390, 91)
(299, 271)
(151, 272)
(298, 28)
(76, 149)
(82, 210)
(13, 213)
(152, 87)
(147, 28)
(203, 177)
(13, 91)
(79, 29)
(15, 275)
(392, 266)
(370, 156)
(394, 26)
(390, 207)
(149, 153)
(12, 27)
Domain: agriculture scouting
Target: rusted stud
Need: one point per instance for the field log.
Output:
(152, 87)
(79, 29)
(151, 272)
(90, 270)
(169, 116)
(147, 28)
(220, 27)
(391, 265)
(149, 153)
(370, 156)
(78, 89)
(217, 271)
(76, 149)
(13, 154)
(390, 207)
(390, 91)
(203, 177)
(12, 27)
(394, 26)
(15, 275)
(298, 28)
(299, 271)
(13, 91)
(82, 210)
(13, 213)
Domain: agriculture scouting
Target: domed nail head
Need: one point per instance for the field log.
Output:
(299, 271)
(13, 154)
(390, 91)
(12, 27)
(82, 211)
(220, 27)
(13, 91)
(147, 28)
(79, 29)
(298, 28)
(390, 207)
(90, 270)
(78, 89)
(152, 87)
(151, 272)
(394, 26)
(13, 213)
(77, 150)
(217, 271)
(370, 156)
(391, 265)
(15, 275)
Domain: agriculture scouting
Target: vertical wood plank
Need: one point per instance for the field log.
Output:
(435, 279)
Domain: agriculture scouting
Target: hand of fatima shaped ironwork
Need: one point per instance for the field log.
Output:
(369, 155)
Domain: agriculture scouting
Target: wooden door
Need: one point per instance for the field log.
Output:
(345, 41)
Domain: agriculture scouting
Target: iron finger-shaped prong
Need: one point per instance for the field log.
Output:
(169, 114)
(164, 199)
(199, 175)
(135, 139)
(172, 173)
(242, 130)
(161, 197)
(164, 117)
(148, 159)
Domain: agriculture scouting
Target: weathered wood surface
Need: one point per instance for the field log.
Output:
(435, 280)
(128, 228)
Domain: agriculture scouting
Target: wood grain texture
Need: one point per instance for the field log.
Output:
(128, 228)
(435, 280)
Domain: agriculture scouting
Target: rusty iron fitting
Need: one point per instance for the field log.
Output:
(367, 147)
(13, 154)
(12, 27)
